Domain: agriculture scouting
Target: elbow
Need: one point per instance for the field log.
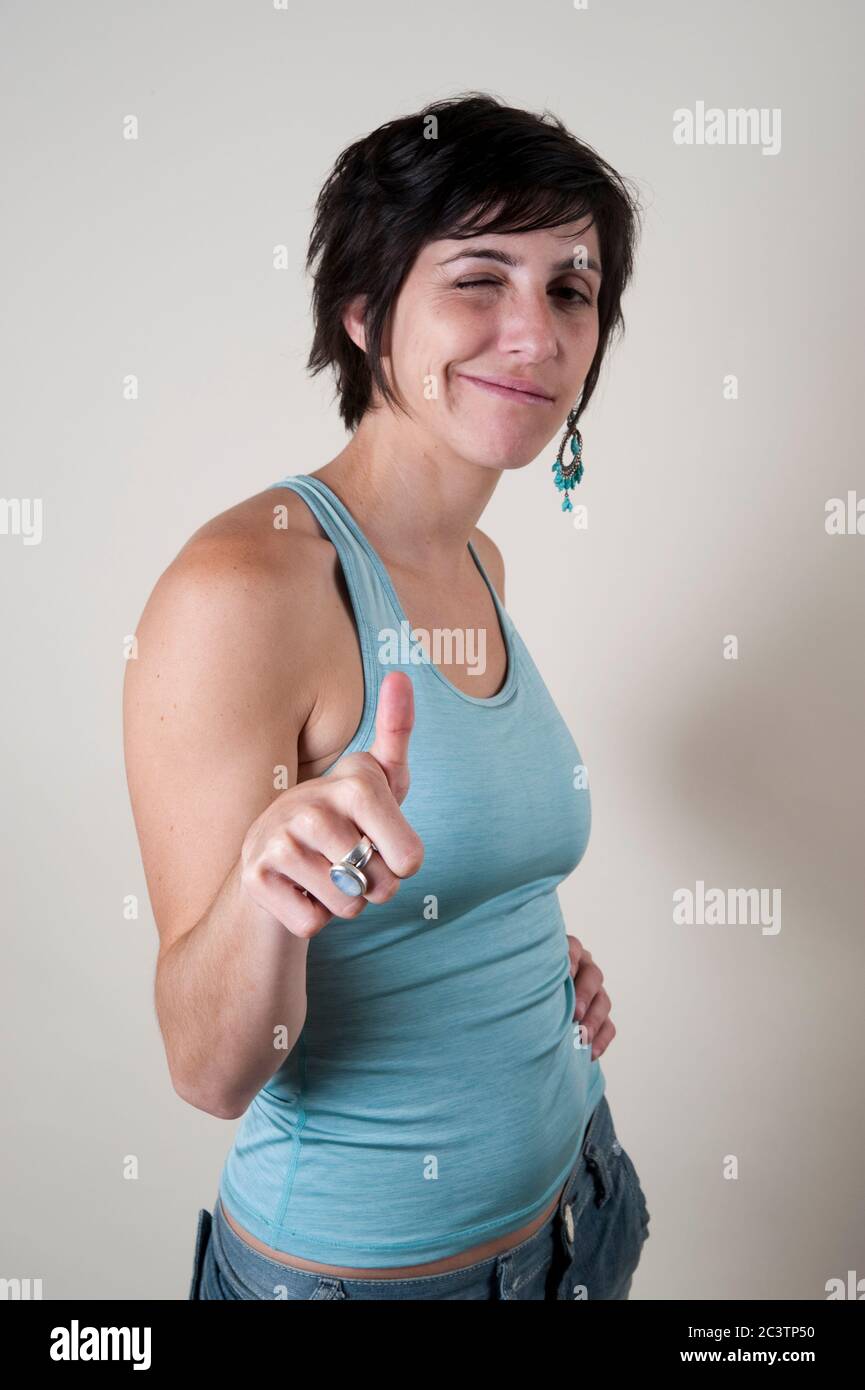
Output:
(212, 1103)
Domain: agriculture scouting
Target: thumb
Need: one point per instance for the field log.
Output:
(394, 721)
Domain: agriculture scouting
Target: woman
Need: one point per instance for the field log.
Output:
(353, 833)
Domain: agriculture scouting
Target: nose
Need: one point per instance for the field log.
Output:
(527, 326)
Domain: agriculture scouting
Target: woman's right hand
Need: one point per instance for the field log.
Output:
(287, 852)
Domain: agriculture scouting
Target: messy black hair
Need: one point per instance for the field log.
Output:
(440, 173)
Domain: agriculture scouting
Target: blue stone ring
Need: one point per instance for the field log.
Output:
(347, 874)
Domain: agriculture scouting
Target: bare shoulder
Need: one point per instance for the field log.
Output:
(236, 604)
(491, 559)
(272, 530)
(264, 555)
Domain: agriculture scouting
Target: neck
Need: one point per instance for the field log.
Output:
(417, 501)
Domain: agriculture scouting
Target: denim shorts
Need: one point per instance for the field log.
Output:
(588, 1249)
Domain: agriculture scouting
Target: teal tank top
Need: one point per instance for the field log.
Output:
(438, 1094)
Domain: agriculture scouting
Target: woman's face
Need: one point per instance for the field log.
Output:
(519, 307)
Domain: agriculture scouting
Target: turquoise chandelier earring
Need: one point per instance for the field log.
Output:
(567, 474)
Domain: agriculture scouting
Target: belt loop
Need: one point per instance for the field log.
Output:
(569, 1225)
(504, 1275)
(328, 1287)
(202, 1238)
(596, 1161)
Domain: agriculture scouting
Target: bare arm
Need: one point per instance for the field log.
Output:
(213, 703)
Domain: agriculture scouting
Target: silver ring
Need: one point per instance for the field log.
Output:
(347, 873)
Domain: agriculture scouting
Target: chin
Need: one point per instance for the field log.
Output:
(497, 452)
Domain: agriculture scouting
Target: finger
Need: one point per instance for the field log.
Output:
(394, 721)
(303, 916)
(605, 1036)
(363, 794)
(320, 837)
(577, 952)
(597, 1013)
(574, 953)
(587, 982)
(310, 874)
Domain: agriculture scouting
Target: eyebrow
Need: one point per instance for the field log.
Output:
(490, 253)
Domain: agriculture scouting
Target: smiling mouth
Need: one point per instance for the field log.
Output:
(526, 397)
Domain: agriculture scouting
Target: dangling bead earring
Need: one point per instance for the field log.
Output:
(566, 474)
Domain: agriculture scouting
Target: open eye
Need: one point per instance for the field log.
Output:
(570, 289)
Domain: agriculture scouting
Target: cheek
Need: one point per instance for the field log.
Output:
(590, 332)
(436, 333)
(449, 339)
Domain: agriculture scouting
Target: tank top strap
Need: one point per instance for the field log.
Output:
(369, 593)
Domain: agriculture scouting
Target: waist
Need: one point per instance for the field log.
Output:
(410, 1185)
(461, 1260)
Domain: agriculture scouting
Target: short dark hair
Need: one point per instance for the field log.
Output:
(396, 189)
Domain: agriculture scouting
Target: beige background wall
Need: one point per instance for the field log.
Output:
(707, 518)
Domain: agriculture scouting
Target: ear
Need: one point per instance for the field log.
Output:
(352, 321)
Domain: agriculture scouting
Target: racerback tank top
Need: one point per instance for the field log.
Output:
(438, 1094)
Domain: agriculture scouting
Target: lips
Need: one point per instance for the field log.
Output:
(499, 386)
